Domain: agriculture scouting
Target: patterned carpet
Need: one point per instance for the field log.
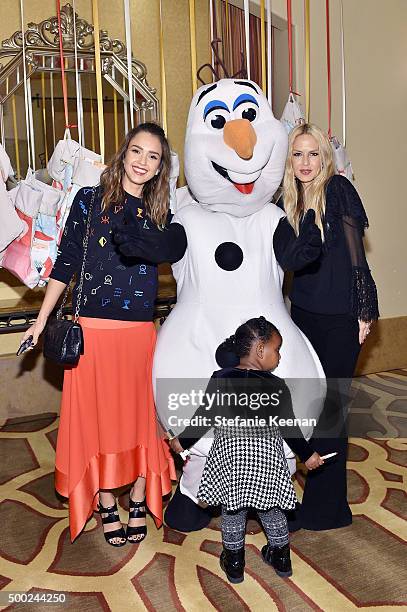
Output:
(358, 567)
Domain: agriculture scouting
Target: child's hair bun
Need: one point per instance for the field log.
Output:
(230, 343)
(239, 345)
(225, 355)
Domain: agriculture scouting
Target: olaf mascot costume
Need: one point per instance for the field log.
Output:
(235, 152)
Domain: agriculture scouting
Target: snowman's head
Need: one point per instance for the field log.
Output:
(235, 149)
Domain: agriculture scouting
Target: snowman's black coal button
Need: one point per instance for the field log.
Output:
(229, 256)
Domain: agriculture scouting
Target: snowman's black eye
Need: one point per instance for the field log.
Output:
(218, 122)
(216, 114)
(246, 107)
(250, 114)
(216, 118)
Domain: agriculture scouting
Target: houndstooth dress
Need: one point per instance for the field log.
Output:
(247, 469)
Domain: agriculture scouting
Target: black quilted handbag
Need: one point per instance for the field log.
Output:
(63, 339)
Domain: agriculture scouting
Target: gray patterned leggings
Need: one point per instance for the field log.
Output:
(233, 526)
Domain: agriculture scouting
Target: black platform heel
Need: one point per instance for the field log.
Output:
(135, 512)
(112, 517)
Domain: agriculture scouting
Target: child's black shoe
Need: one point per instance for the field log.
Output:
(232, 563)
(279, 558)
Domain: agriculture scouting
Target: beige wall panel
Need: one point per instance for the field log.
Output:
(376, 52)
(178, 69)
(177, 48)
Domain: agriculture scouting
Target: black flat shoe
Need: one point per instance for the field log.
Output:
(279, 559)
(232, 562)
(135, 512)
(112, 517)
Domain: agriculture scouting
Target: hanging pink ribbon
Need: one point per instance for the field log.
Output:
(61, 54)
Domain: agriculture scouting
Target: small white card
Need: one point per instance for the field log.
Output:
(329, 455)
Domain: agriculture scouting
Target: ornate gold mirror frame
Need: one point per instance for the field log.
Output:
(42, 56)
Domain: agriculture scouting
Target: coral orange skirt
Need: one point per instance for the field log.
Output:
(108, 433)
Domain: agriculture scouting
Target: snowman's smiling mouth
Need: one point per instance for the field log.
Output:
(245, 188)
(222, 171)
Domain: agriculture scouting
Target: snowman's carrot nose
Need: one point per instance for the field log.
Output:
(239, 135)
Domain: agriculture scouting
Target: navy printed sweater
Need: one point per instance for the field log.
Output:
(115, 287)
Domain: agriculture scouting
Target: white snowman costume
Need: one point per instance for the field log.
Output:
(235, 152)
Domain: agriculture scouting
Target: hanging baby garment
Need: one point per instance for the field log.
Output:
(60, 164)
(292, 114)
(11, 226)
(5, 165)
(86, 172)
(17, 256)
(341, 159)
(72, 167)
(44, 244)
(65, 153)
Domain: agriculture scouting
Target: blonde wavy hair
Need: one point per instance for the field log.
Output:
(156, 192)
(296, 199)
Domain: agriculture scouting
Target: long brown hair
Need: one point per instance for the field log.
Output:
(293, 191)
(156, 192)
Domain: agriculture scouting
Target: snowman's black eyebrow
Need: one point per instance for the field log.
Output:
(203, 93)
(247, 84)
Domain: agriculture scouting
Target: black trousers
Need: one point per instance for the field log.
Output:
(335, 339)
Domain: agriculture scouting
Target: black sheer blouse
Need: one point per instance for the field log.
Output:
(334, 279)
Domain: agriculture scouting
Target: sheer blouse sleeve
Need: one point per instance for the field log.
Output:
(347, 209)
(364, 304)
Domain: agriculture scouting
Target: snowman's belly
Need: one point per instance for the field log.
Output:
(229, 262)
(218, 290)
